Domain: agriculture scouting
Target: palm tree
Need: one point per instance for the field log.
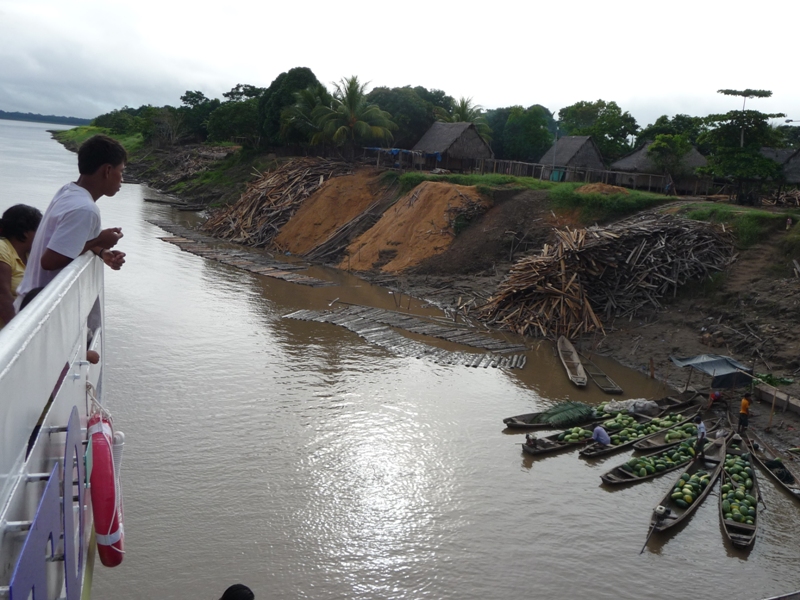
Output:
(466, 112)
(298, 119)
(351, 119)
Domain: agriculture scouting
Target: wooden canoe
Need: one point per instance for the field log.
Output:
(741, 535)
(595, 450)
(572, 362)
(674, 514)
(535, 420)
(620, 476)
(657, 441)
(551, 443)
(603, 381)
(529, 420)
(764, 453)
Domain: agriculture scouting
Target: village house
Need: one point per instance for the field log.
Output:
(452, 146)
(641, 172)
(789, 159)
(570, 158)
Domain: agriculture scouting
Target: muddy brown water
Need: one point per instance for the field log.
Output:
(306, 463)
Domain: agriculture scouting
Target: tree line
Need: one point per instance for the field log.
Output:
(37, 118)
(299, 112)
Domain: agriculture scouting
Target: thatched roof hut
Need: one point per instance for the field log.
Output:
(456, 140)
(788, 158)
(791, 168)
(779, 155)
(639, 171)
(639, 161)
(574, 151)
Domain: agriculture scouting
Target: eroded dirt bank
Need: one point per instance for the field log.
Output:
(750, 313)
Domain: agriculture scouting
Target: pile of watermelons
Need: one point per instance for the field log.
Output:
(737, 504)
(689, 487)
(576, 434)
(663, 461)
(683, 432)
(626, 428)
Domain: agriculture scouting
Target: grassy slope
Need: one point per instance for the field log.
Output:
(222, 182)
(590, 208)
(751, 225)
(72, 138)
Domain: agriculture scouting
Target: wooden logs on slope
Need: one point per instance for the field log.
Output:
(605, 272)
(270, 201)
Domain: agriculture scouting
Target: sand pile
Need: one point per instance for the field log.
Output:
(339, 201)
(417, 227)
(600, 188)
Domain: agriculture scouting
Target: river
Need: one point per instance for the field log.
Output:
(304, 462)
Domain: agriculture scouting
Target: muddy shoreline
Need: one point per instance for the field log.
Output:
(752, 318)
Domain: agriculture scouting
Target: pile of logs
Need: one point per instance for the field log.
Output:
(786, 198)
(270, 201)
(606, 272)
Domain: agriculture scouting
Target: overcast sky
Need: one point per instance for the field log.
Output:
(85, 57)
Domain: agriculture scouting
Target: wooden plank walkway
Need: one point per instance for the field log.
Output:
(376, 326)
(198, 244)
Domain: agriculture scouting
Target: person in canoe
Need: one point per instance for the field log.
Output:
(600, 435)
(714, 396)
(700, 444)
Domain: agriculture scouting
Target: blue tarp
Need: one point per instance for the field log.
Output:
(393, 151)
(724, 370)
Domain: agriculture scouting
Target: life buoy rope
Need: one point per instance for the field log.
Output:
(105, 486)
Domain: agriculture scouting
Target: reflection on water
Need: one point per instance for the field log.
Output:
(306, 463)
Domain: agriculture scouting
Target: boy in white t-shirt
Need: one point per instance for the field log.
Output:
(71, 224)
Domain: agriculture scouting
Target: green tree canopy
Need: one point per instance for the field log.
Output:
(668, 152)
(121, 121)
(737, 138)
(609, 127)
(409, 111)
(352, 119)
(526, 134)
(691, 127)
(297, 121)
(196, 111)
(238, 119)
(745, 94)
(790, 135)
(496, 120)
(436, 98)
(243, 91)
(278, 97)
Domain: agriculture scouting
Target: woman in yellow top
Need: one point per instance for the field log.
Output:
(17, 229)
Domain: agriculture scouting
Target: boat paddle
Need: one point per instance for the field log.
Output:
(652, 529)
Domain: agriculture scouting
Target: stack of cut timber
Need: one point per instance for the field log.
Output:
(605, 272)
(270, 201)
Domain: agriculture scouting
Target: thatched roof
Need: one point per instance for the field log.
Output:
(440, 137)
(638, 161)
(791, 168)
(779, 155)
(565, 149)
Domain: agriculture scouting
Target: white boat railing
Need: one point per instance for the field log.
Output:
(43, 390)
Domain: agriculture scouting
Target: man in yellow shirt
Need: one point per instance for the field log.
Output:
(17, 229)
(744, 413)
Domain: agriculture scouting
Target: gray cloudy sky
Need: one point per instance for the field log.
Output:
(85, 57)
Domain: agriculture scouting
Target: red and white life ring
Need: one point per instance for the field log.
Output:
(106, 498)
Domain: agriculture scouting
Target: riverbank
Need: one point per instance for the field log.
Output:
(749, 312)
